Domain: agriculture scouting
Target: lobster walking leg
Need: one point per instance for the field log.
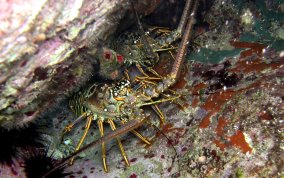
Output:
(150, 53)
(87, 127)
(101, 128)
(112, 125)
(146, 79)
(129, 126)
(160, 114)
(135, 132)
(70, 126)
(143, 138)
(146, 94)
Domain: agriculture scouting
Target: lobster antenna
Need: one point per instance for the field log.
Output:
(169, 141)
(149, 50)
(133, 124)
(184, 16)
(175, 72)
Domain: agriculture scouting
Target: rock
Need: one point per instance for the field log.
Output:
(48, 50)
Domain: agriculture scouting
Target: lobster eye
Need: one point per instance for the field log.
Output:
(119, 58)
(107, 55)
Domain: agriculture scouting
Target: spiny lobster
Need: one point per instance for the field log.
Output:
(122, 102)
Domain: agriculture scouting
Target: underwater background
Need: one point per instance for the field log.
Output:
(228, 121)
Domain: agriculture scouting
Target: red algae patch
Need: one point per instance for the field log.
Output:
(198, 87)
(167, 128)
(221, 145)
(238, 140)
(205, 121)
(216, 102)
(254, 48)
(256, 65)
(195, 103)
(221, 124)
(213, 105)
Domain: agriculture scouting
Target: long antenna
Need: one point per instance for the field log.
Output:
(169, 141)
(183, 18)
(149, 50)
(133, 124)
(183, 46)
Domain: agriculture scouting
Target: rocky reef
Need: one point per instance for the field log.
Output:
(228, 121)
(49, 49)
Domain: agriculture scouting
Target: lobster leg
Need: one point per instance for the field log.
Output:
(159, 30)
(160, 114)
(159, 101)
(150, 53)
(101, 128)
(165, 49)
(154, 72)
(141, 70)
(70, 126)
(144, 139)
(133, 124)
(112, 125)
(87, 127)
(146, 79)
(126, 74)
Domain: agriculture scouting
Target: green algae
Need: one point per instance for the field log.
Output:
(213, 56)
(240, 173)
